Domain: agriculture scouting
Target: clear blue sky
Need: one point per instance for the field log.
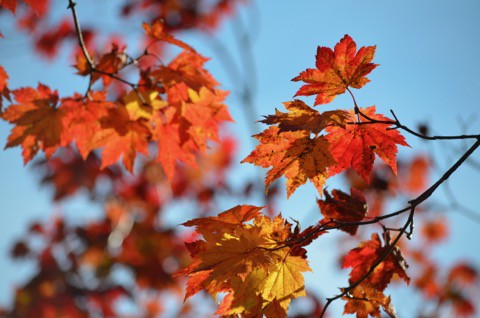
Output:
(428, 53)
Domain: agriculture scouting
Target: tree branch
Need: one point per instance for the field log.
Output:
(413, 204)
(81, 42)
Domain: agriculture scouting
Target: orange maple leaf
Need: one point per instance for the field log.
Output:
(38, 121)
(365, 300)
(227, 220)
(173, 142)
(463, 274)
(123, 136)
(337, 70)
(293, 154)
(82, 120)
(417, 175)
(205, 111)
(249, 262)
(300, 116)
(355, 145)
(157, 31)
(434, 230)
(187, 68)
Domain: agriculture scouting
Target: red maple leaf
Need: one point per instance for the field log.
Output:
(109, 63)
(4, 91)
(82, 120)
(337, 70)
(50, 40)
(355, 145)
(38, 121)
(9, 4)
(344, 208)
(157, 30)
(39, 6)
(363, 257)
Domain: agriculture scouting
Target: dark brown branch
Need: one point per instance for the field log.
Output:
(397, 125)
(346, 290)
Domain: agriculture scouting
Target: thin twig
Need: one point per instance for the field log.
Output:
(91, 63)
(81, 42)
(397, 125)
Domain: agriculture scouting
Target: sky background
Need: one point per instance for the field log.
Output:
(428, 53)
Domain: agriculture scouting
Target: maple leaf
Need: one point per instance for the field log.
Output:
(303, 117)
(355, 145)
(143, 104)
(365, 300)
(337, 70)
(38, 123)
(174, 144)
(157, 31)
(50, 40)
(417, 175)
(463, 274)
(285, 280)
(245, 300)
(227, 220)
(368, 252)
(4, 91)
(434, 230)
(109, 63)
(247, 261)
(3, 78)
(82, 121)
(39, 6)
(67, 172)
(277, 230)
(9, 4)
(344, 208)
(81, 64)
(205, 112)
(187, 68)
(123, 135)
(293, 154)
(227, 256)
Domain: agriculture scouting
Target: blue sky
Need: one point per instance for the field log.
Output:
(428, 53)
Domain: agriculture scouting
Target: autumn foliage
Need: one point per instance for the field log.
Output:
(149, 128)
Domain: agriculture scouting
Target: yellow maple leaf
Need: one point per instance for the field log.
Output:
(252, 263)
(285, 279)
(143, 104)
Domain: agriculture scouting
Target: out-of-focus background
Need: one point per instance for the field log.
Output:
(428, 54)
